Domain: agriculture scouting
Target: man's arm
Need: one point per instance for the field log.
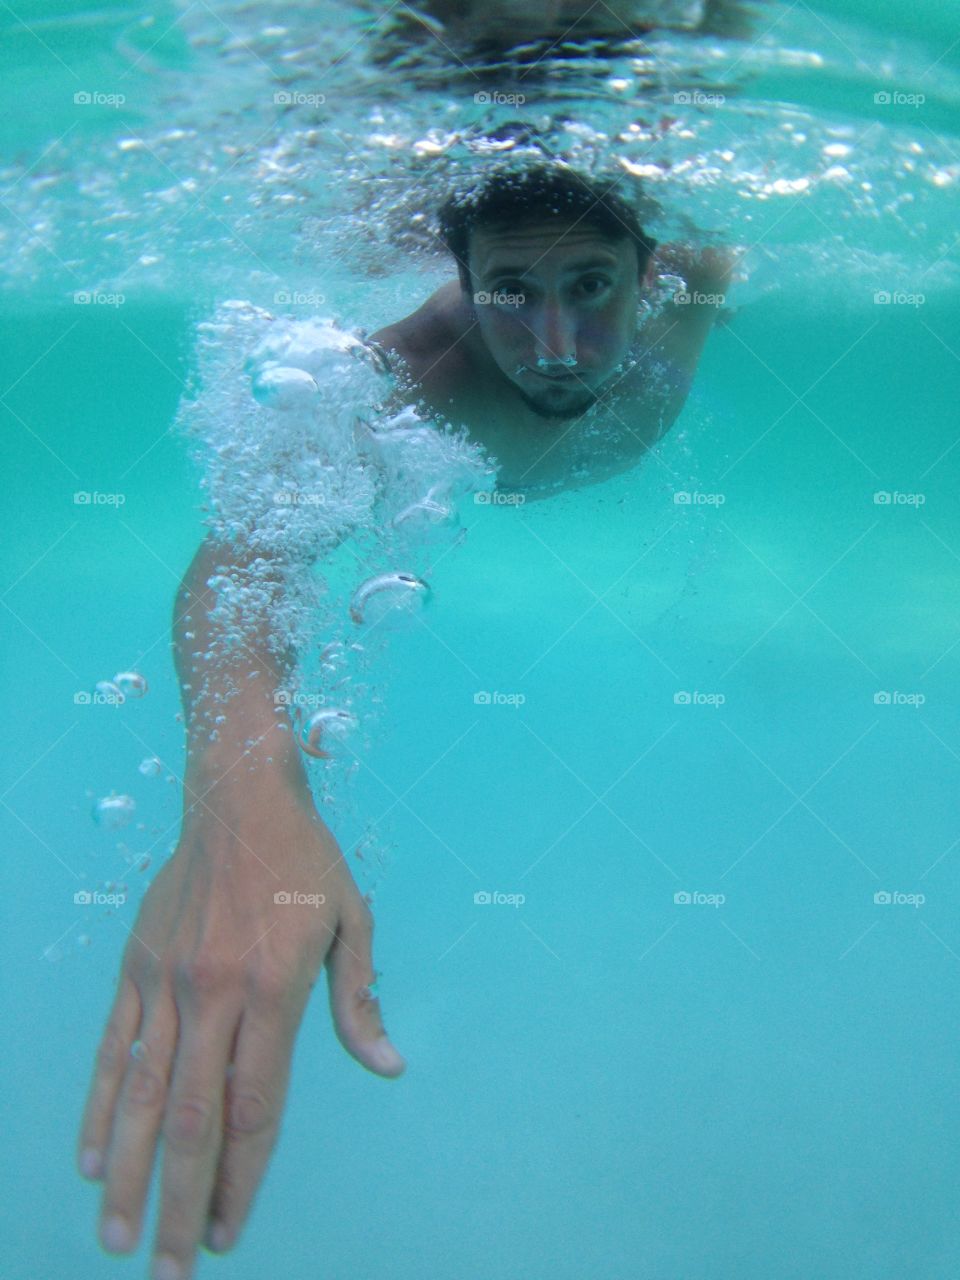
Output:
(678, 334)
(217, 972)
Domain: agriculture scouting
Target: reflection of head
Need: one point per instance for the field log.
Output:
(513, 198)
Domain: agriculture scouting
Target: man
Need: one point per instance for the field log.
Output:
(538, 349)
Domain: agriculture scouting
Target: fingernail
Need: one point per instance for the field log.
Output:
(386, 1056)
(116, 1234)
(91, 1162)
(217, 1237)
(166, 1268)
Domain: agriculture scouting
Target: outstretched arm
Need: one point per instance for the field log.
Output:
(217, 971)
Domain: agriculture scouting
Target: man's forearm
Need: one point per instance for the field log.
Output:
(233, 718)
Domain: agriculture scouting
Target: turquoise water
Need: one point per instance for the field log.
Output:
(601, 1082)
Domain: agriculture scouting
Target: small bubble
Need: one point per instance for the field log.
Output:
(114, 811)
(388, 596)
(324, 730)
(150, 767)
(131, 684)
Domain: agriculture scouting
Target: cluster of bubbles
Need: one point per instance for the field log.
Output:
(124, 685)
(256, 144)
(116, 811)
(326, 502)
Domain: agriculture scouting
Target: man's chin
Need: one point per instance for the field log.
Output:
(559, 409)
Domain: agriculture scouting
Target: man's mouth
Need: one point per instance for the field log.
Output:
(553, 377)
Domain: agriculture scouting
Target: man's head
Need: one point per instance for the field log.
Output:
(553, 265)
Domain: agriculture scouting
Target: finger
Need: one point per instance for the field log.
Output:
(113, 1055)
(253, 1104)
(136, 1125)
(356, 1011)
(193, 1130)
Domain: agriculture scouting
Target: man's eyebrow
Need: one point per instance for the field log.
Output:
(583, 264)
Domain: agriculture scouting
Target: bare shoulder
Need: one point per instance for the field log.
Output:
(426, 333)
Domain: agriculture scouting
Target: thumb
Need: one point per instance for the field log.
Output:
(355, 1009)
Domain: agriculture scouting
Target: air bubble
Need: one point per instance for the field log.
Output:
(150, 767)
(389, 596)
(279, 388)
(114, 811)
(325, 729)
(131, 684)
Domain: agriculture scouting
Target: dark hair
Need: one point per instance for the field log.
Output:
(512, 197)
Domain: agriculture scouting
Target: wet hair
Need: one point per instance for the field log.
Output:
(513, 198)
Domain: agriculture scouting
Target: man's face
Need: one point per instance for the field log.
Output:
(562, 309)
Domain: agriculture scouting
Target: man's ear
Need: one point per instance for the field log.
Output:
(649, 277)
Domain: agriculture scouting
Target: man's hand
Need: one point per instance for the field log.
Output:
(214, 982)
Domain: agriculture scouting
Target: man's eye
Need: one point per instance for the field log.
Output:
(594, 285)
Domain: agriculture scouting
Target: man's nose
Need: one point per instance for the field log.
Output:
(555, 336)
